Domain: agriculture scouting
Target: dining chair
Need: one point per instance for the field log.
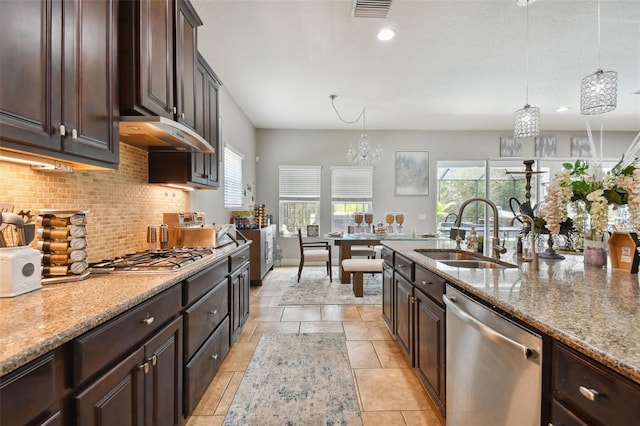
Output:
(314, 251)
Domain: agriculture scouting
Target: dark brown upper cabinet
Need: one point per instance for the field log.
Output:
(58, 86)
(158, 48)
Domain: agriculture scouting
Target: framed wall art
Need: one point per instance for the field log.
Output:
(510, 147)
(545, 146)
(412, 172)
(580, 147)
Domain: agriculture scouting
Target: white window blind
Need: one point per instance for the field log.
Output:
(233, 195)
(351, 183)
(299, 181)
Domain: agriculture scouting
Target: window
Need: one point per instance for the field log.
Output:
(233, 195)
(351, 192)
(299, 189)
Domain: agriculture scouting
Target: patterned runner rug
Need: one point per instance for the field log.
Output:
(297, 380)
(314, 288)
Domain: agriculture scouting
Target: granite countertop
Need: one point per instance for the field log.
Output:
(35, 323)
(593, 310)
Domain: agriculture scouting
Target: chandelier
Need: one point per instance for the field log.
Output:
(599, 91)
(361, 153)
(527, 119)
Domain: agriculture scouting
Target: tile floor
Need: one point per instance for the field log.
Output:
(389, 392)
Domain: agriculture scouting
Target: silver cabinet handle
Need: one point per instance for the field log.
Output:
(590, 394)
(154, 360)
(74, 134)
(182, 115)
(426, 283)
(148, 320)
(144, 367)
(486, 331)
(215, 311)
(175, 110)
(214, 356)
(62, 130)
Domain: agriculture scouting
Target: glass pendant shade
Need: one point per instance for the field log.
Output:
(599, 93)
(362, 155)
(527, 122)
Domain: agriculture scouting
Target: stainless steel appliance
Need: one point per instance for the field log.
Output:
(494, 374)
(151, 261)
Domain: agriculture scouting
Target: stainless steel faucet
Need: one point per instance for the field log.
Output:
(497, 248)
(533, 256)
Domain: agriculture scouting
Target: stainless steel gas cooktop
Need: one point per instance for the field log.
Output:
(151, 261)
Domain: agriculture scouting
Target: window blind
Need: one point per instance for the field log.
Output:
(299, 182)
(352, 183)
(233, 194)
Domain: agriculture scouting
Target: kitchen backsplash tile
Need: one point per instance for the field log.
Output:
(120, 202)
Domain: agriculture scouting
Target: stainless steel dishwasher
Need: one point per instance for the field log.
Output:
(494, 374)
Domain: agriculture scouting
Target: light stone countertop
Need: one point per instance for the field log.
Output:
(593, 310)
(35, 323)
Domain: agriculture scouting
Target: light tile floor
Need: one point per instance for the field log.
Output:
(389, 392)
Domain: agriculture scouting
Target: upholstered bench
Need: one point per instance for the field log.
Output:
(358, 267)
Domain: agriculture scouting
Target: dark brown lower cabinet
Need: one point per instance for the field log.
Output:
(429, 348)
(587, 393)
(387, 296)
(144, 388)
(239, 284)
(403, 290)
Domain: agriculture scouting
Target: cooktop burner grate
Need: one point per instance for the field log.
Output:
(153, 260)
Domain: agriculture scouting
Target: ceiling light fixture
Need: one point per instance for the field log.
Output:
(599, 91)
(527, 119)
(386, 34)
(562, 109)
(362, 154)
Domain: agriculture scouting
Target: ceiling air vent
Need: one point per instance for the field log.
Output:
(371, 8)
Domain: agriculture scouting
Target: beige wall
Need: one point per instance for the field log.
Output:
(120, 202)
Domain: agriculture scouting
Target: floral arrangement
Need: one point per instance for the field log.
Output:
(584, 191)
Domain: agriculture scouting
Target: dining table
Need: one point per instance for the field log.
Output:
(344, 242)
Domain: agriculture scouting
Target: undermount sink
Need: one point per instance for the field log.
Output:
(476, 264)
(464, 259)
(450, 255)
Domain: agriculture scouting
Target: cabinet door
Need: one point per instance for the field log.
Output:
(387, 296)
(186, 50)
(429, 346)
(212, 126)
(116, 398)
(163, 382)
(155, 54)
(235, 287)
(89, 111)
(245, 284)
(403, 290)
(31, 58)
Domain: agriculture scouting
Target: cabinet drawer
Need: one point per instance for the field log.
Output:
(387, 255)
(239, 258)
(560, 416)
(198, 284)
(28, 394)
(203, 366)
(103, 345)
(616, 398)
(204, 316)
(404, 266)
(429, 283)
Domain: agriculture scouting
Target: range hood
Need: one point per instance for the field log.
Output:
(161, 133)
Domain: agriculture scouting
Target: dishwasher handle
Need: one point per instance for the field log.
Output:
(486, 330)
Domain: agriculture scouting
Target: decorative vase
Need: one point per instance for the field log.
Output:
(595, 253)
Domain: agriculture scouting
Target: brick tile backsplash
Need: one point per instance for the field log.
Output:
(120, 202)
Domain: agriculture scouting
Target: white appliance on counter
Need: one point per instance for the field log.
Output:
(19, 270)
(494, 367)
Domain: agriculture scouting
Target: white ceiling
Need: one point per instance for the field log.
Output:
(453, 65)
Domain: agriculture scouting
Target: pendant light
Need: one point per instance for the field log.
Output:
(527, 119)
(599, 91)
(362, 154)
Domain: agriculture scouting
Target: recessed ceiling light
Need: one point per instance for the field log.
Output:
(524, 2)
(562, 109)
(386, 34)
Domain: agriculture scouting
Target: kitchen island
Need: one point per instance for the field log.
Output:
(593, 310)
